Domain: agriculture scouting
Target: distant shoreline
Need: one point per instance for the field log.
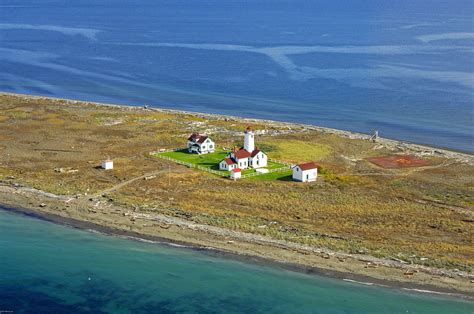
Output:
(258, 260)
(412, 146)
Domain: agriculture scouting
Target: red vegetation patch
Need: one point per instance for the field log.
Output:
(398, 161)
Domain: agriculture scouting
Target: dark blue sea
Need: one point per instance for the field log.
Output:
(402, 67)
(48, 268)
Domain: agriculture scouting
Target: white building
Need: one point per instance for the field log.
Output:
(236, 174)
(306, 172)
(246, 157)
(227, 164)
(107, 164)
(200, 144)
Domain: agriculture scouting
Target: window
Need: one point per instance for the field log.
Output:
(211, 146)
(203, 146)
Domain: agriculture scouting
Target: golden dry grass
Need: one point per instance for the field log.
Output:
(297, 151)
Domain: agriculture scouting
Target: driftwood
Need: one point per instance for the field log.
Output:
(163, 225)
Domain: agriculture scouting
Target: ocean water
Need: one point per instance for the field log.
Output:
(49, 268)
(402, 67)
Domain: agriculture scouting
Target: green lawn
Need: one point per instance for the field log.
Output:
(280, 175)
(212, 160)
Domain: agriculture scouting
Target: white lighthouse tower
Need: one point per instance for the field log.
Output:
(249, 140)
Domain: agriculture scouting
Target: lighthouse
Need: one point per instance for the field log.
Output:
(246, 157)
(249, 140)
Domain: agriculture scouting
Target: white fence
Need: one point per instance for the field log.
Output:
(253, 174)
(190, 165)
(165, 150)
(287, 166)
(280, 162)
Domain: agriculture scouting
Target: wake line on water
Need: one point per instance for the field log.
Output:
(445, 36)
(430, 291)
(155, 242)
(423, 291)
(366, 77)
(88, 33)
(138, 239)
(359, 282)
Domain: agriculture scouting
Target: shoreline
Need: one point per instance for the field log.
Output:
(121, 218)
(402, 145)
(359, 269)
(256, 260)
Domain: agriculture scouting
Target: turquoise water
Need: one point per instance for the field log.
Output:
(403, 67)
(51, 268)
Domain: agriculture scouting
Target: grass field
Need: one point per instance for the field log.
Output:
(212, 160)
(298, 151)
(281, 176)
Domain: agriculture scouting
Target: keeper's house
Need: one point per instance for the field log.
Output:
(306, 172)
(200, 144)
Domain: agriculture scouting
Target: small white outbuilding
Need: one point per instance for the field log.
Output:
(306, 172)
(236, 174)
(107, 164)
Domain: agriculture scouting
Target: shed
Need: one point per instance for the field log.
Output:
(107, 164)
(305, 172)
(236, 174)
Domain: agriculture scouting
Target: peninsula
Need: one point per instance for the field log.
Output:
(381, 211)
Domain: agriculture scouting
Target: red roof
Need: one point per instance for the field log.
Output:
(196, 137)
(236, 170)
(202, 139)
(193, 136)
(255, 152)
(241, 153)
(308, 165)
(229, 161)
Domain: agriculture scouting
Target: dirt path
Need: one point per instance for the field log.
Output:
(124, 183)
